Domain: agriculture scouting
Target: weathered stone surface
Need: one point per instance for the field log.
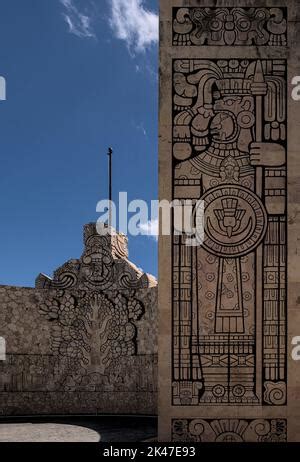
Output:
(84, 341)
(46, 433)
(78, 429)
(227, 305)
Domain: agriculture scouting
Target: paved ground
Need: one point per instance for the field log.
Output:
(78, 429)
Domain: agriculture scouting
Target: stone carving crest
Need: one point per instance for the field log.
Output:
(229, 26)
(229, 430)
(93, 308)
(103, 265)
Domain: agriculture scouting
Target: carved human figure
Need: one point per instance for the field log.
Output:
(221, 137)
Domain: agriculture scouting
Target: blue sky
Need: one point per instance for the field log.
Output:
(81, 76)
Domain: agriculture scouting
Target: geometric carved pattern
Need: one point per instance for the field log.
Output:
(83, 322)
(230, 26)
(229, 430)
(229, 150)
(250, 225)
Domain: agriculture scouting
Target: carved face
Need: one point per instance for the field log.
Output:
(233, 113)
(97, 267)
(229, 170)
(222, 127)
(231, 104)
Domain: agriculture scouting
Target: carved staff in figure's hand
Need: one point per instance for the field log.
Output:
(259, 89)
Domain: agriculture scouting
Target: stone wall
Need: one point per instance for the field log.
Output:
(84, 341)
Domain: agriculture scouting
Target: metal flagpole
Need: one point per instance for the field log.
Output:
(109, 153)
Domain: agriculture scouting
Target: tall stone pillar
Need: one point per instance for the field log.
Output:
(229, 137)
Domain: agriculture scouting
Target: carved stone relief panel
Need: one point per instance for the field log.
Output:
(229, 150)
(229, 137)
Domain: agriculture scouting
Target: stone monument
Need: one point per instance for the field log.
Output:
(228, 306)
(84, 341)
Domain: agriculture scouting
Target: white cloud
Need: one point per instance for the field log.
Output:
(140, 127)
(133, 23)
(79, 24)
(143, 130)
(150, 228)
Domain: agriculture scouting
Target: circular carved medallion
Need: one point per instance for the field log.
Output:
(235, 221)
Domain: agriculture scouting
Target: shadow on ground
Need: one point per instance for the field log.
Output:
(78, 429)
